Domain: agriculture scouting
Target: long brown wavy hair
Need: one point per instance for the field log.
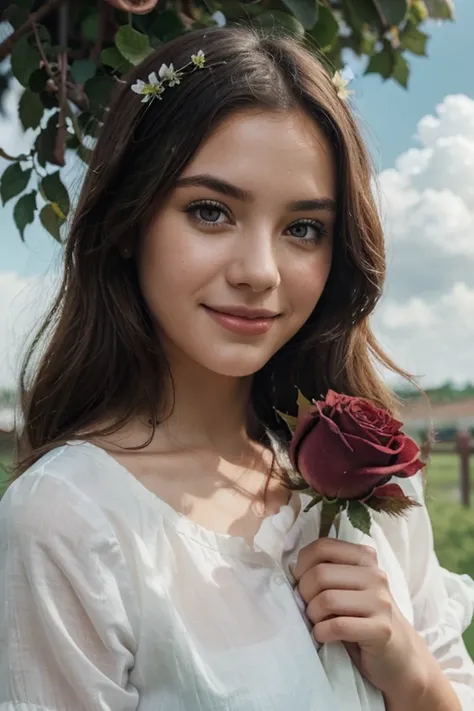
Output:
(100, 359)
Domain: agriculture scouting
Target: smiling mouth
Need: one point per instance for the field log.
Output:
(250, 325)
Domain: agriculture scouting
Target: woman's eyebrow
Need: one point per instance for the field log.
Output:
(226, 188)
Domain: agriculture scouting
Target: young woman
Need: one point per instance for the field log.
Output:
(154, 553)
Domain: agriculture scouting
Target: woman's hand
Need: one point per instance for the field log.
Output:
(348, 600)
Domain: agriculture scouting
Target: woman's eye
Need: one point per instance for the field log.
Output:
(307, 230)
(207, 213)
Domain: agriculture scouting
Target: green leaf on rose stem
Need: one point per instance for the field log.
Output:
(306, 11)
(30, 109)
(289, 419)
(359, 516)
(52, 220)
(390, 505)
(303, 403)
(314, 501)
(54, 191)
(14, 181)
(132, 45)
(24, 212)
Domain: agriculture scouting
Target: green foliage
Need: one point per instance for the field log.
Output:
(359, 516)
(448, 392)
(99, 44)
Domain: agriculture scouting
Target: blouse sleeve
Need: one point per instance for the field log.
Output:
(66, 637)
(443, 604)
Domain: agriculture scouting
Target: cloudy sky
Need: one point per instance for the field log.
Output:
(423, 146)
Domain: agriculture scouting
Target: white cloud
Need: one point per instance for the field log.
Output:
(426, 319)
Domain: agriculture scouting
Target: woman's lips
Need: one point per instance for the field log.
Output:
(241, 325)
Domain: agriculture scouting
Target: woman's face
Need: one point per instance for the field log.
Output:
(235, 261)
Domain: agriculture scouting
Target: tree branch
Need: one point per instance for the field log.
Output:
(7, 45)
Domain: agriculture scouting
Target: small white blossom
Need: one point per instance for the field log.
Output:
(199, 59)
(341, 80)
(170, 75)
(148, 89)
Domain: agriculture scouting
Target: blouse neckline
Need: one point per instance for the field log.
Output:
(269, 539)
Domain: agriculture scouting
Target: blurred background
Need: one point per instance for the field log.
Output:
(413, 94)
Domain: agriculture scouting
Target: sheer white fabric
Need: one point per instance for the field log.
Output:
(111, 601)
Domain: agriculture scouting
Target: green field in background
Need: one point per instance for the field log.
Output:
(453, 525)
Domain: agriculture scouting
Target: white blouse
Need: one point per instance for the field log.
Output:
(110, 600)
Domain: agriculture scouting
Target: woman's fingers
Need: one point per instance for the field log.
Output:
(330, 576)
(348, 603)
(330, 550)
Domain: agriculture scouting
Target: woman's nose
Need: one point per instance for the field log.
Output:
(254, 263)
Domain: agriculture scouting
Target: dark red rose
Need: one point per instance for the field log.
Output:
(344, 447)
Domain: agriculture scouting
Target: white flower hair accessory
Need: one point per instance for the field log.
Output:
(167, 76)
(341, 80)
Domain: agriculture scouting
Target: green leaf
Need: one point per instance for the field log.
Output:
(303, 403)
(359, 516)
(413, 39)
(111, 57)
(326, 29)
(38, 79)
(382, 63)
(54, 191)
(289, 419)
(169, 25)
(24, 60)
(90, 26)
(16, 15)
(82, 70)
(441, 9)
(24, 212)
(394, 11)
(306, 11)
(317, 498)
(52, 221)
(235, 10)
(401, 71)
(132, 45)
(277, 20)
(30, 109)
(46, 140)
(358, 13)
(14, 181)
(99, 91)
(25, 4)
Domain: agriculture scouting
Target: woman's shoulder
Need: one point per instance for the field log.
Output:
(71, 481)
